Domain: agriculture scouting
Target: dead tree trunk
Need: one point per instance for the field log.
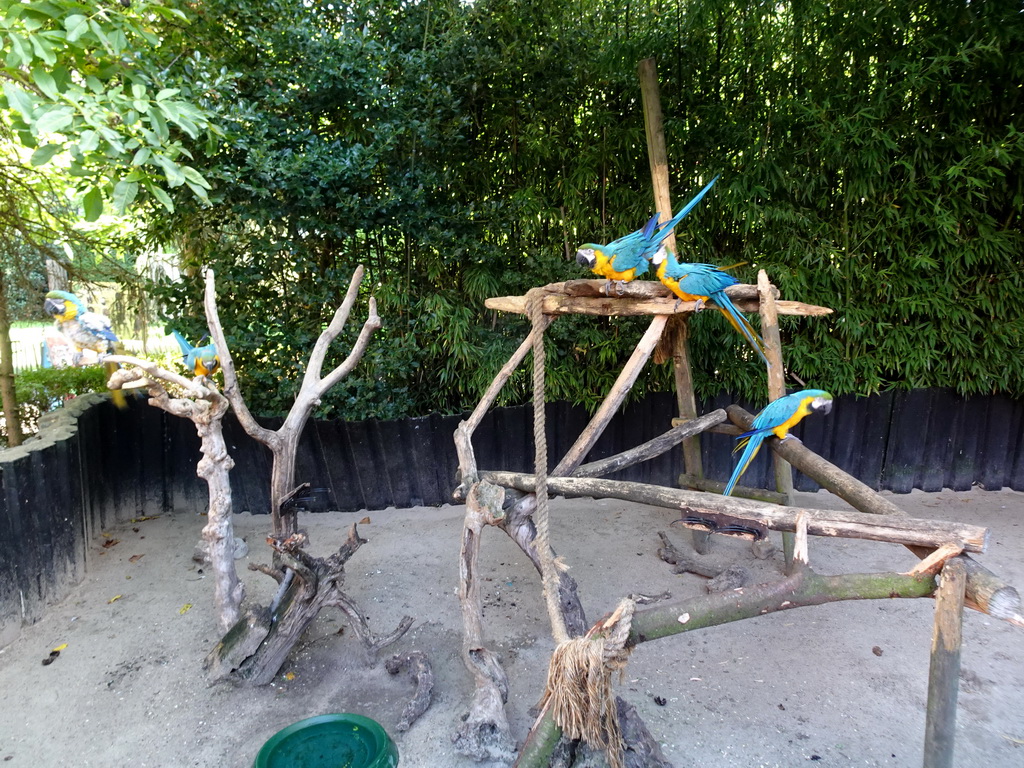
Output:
(205, 407)
(254, 649)
(284, 442)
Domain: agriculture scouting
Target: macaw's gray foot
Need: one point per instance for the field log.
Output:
(699, 306)
(620, 287)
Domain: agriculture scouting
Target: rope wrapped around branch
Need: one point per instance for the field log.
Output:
(579, 690)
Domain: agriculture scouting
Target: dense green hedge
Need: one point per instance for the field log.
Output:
(870, 156)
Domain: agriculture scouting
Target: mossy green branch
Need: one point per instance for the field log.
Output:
(803, 588)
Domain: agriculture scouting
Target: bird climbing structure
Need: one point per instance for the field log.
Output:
(578, 702)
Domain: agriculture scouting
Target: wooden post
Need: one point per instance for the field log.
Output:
(685, 399)
(944, 670)
(658, 158)
(656, 153)
(776, 389)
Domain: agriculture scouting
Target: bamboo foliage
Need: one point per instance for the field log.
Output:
(870, 158)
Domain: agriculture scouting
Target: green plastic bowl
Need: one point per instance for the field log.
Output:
(330, 741)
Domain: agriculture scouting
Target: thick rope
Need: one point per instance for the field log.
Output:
(579, 689)
(548, 567)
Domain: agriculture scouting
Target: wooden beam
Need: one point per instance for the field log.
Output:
(627, 377)
(622, 306)
(944, 669)
(639, 297)
(644, 289)
(854, 525)
(651, 448)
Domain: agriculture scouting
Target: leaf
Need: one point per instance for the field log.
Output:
(88, 141)
(124, 194)
(115, 597)
(93, 205)
(44, 154)
(18, 99)
(195, 176)
(166, 93)
(185, 609)
(53, 120)
(44, 80)
(142, 156)
(76, 26)
(161, 196)
(173, 172)
(18, 55)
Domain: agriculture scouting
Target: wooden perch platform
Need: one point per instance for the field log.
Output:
(820, 522)
(640, 297)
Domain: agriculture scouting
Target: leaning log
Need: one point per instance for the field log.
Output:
(821, 522)
(652, 448)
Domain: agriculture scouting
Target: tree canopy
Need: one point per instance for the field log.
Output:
(870, 159)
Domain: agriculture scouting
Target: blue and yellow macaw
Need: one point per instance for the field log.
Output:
(628, 257)
(202, 361)
(777, 418)
(701, 282)
(84, 329)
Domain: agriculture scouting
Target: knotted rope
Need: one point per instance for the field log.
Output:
(579, 689)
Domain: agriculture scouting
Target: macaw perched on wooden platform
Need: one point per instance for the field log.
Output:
(84, 329)
(777, 418)
(202, 361)
(627, 258)
(701, 282)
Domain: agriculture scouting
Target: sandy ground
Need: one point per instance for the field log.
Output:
(842, 684)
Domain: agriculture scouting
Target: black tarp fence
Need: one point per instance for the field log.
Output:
(95, 465)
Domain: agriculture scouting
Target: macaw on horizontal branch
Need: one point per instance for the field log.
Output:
(627, 258)
(202, 361)
(85, 330)
(777, 418)
(703, 282)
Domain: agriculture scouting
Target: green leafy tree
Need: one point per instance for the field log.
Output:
(90, 80)
(870, 159)
(90, 106)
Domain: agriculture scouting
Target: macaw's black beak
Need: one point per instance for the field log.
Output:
(53, 306)
(823, 406)
(585, 258)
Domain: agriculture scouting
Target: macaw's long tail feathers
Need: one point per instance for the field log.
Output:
(737, 265)
(185, 346)
(749, 452)
(741, 324)
(117, 395)
(666, 229)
